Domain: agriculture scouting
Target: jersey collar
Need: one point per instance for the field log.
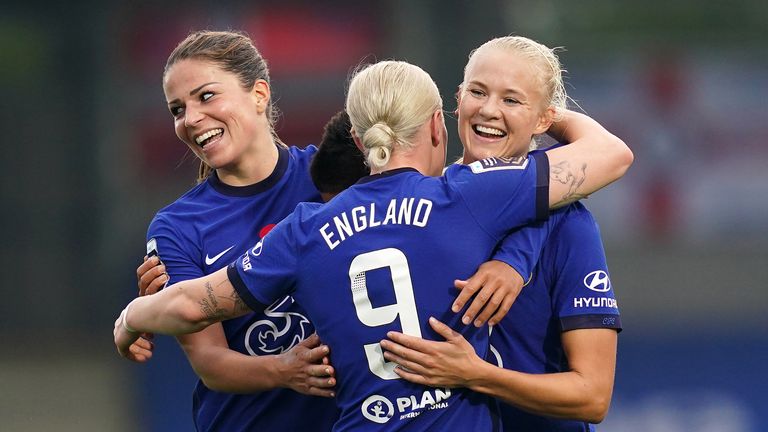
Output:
(374, 177)
(253, 189)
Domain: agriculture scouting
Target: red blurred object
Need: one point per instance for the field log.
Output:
(307, 40)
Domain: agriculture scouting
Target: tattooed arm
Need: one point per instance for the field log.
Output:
(185, 307)
(593, 159)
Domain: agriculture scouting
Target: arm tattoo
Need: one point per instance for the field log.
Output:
(213, 310)
(564, 174)
(210, 305)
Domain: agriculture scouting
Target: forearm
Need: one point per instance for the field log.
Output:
(186, 307)
(167, 312)
(563, 395)
(224, 370)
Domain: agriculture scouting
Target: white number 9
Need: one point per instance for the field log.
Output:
(405, 306)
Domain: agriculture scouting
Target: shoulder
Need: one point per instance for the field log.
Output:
(577, 219)
(298, 154)
(196, 196)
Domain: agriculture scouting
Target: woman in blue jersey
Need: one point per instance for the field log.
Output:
(217, 88)
(328, 256)
(557, 345)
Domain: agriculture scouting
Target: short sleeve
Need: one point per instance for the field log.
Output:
(503, 193)
(522, 248)
(267, 271)
(173, 248)
(582, 292)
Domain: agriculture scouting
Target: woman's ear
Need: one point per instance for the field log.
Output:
(545, 120)
(357, 141)
(261, 94)
(437, 126)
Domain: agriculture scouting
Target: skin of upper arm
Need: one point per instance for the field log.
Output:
(575, 173)
(592, 354)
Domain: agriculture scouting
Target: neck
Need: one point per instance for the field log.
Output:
(416, 158)
(253, 167)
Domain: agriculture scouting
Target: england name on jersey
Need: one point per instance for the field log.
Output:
(383, 256)
(205, 230)
(570, 289)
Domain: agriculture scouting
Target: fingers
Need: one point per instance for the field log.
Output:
(408, 341)
(491, 307)
(152, 276)
(321, 372)
(320, 381)
(414, 357)
(316, 355)
(140, 351)
(495, 287)
(482, 298)
(506, 305)
(148, 263)
(468, 289)
(442, 329)
(320, 391)
(411, 376)
(404, 357)
(311, 342)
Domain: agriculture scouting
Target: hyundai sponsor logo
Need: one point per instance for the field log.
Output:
(598, 281)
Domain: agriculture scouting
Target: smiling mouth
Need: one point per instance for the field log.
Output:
(488, 132)
(209, 136)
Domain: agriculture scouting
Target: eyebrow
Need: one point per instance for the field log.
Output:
(194, 90)
(505, 91)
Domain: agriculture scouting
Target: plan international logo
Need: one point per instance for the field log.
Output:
(379, 409)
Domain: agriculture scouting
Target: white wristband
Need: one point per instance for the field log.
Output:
(125, 319)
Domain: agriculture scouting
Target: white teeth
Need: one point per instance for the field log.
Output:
(207, 135)
(489, 130)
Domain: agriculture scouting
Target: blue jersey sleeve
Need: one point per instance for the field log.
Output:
(522, 248)
(173, 248)
(503, 193)
(267, 272)
(582, 293)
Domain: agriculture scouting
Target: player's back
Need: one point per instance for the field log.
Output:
(383, 256)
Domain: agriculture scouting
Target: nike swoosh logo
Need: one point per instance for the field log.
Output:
(211, 260)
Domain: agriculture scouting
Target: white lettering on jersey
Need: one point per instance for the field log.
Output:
(581, 302)
(499, 163)
(406, 211)
(379, 409)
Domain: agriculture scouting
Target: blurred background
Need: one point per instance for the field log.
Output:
(90, 155)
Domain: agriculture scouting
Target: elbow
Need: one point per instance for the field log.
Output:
(596, 410)
(212, 383)
(624, 157)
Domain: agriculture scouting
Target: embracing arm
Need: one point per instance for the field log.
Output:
(185, 307)
(583, 393)
(593, 159)
(304, 368)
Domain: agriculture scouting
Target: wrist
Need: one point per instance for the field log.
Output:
(479, 376)
(124, 321)
(277, 372)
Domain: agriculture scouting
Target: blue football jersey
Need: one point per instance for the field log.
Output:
(383, 256)
(206, 229)
(570, 289)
